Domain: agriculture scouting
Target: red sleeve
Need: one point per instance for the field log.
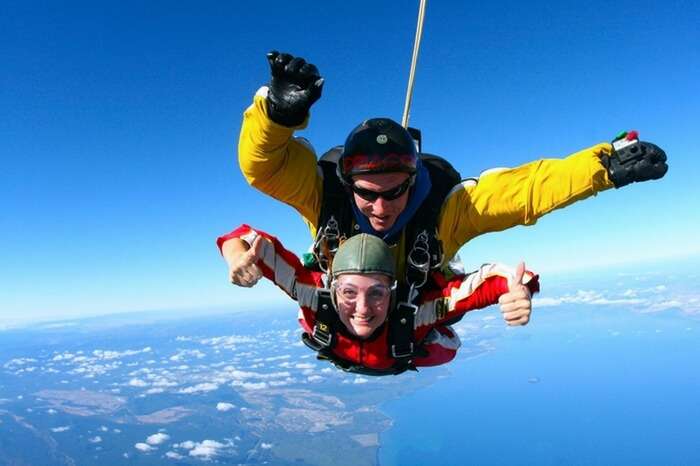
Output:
(488, 292)
(237, 233)
(476, 290)
(277, 263)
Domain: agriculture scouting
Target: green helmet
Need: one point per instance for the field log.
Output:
(363, 254)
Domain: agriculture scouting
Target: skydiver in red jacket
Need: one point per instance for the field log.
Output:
(351, 316)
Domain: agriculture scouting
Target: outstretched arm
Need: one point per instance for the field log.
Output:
(504, 198)
(269, 157)
(270, 259)
(477, 290)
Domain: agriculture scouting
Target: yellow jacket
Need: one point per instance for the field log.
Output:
(285, 168)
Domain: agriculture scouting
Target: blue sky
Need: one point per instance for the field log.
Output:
(120, 121)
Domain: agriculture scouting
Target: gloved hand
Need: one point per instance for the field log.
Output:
(632, 160)
(294, 87)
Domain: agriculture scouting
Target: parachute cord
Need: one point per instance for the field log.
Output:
(414, 61)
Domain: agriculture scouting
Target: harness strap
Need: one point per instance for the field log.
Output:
(335, 219)
(401, 332)
(323, 336)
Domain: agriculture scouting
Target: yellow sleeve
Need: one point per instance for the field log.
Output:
(277, 164)
(519, 196)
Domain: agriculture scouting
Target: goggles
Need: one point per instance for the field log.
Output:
(374, 295)
(389, 195)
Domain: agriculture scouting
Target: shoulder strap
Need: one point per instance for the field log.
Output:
(335, 219)
(335, 202)
(326, 324)
(424, 248)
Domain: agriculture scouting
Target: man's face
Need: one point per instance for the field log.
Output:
(363, 302)
(381, 213)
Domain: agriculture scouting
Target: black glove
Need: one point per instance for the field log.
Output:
(632, 160)
(294, 87)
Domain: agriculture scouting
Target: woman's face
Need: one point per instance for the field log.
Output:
(363, 302)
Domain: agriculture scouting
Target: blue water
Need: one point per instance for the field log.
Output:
(576, 387)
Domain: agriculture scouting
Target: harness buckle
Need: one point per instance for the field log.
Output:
(419, 260)
(401, 308)
(405, 311)
(322, 334)
(405, 352)
(419, 257)
(323, 331)
(327, 243)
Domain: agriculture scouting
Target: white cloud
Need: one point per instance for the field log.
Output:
(304, 365)
(648, 299)
(207, 449)
(280, 383)
(157, 439)
(63, 356)
(154, 391)
(665, 305)
(278, 358)
(107, 354)
(223, 407)
(265, 446)
(137, 383)
(15, 363)
(60, 429)
(160, 381)
(227, 342)
(95, 439)
(173, 455)
(229, 373)
(182, 354)
(360, 380)
(200, 388)
(314, 378)
(587, 297)
(249, 385)
(144, 447)
(187, 445)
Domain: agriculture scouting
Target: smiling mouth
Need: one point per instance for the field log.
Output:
(362, 320)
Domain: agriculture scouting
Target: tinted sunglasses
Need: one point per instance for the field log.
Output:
(389, 195)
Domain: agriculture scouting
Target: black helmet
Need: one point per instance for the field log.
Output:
(379, 145)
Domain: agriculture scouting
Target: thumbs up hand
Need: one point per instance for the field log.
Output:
(242, 267)
(516, 304)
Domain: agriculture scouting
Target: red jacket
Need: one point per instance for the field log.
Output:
(456, 297)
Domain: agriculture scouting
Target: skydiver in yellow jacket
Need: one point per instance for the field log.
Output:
(385, 180)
